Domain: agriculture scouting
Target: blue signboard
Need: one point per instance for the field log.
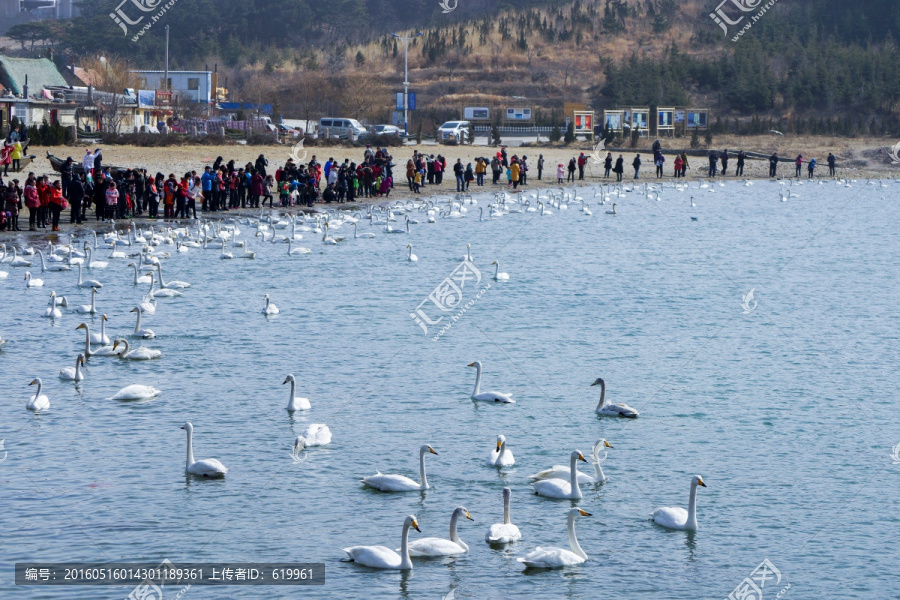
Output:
(412, 101)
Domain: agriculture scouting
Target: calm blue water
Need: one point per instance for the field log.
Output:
(788, 412)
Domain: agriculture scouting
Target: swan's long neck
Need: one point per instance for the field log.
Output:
(43, 264)
(93, 300)
(602, 395)
(496, 270)
(79, 268)
(162, 282)
(405, 562)
(410, 252)
(573, 540)
(291, 399)
(87, 342)
(477, 380)
(37, 393)
(125, 351)
(423, 480)
(102, 329)
(573, 478)
(137, 326)
(77, 367)
(135, 273)
(598, 470)
(692, 507)
(506, 520)
(190, 450)
(454, 534)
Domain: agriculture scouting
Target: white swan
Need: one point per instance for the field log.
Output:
(487, 396)
(675, 517)
(317, 434)
(91, 263)
(411, 257)
(327, 238)
(295, 403)
(170, 284)
(270, 308)
(292, 251)
(435, 546)
(559, 488)
(141, 353)
(89, 309)
(563, 472)
(39, 401)
(73, 373)
(90, 283)
(498, 276)
(555, 558)
(136, 392)
(18, 261)
(146, 334)
(399, 483)
(104, 351)
(381, 557)
(54, 266)
(161, 293)
(101, 338)
(613, 211)
(505, 532)
(139, 280)
(208, 467)
(468, 255)
(366, 234)
(52, 311)
(612, 410)
(30, 282)
(501, 456)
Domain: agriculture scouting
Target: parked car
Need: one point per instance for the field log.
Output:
(388, 130)
(454, 130)
(288, 131)
(342, 127)
(149, 129)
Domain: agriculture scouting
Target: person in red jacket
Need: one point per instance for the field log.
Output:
(56, 202)
(256, 190)
(43, 190)
(582, 161)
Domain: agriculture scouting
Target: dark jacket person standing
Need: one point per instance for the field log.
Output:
(75, 196)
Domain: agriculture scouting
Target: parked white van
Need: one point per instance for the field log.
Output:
(454, 130)
(341, 127)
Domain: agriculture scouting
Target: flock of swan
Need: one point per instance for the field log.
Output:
(75, 268)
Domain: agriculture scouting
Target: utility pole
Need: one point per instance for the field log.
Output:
(406, 40)
(166, 80)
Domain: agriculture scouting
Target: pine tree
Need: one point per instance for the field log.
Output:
(360, 58)
(555, 134)
(570, 133)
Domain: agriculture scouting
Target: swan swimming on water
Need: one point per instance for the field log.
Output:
(90, 283)
(435, 546)
(317, 434)
(101, 338)
(411, 257)
(208, 467)
(146, 334)
(559, 488)
(73, 373)
(675, 517)
(90, 309)
(505, 532)
(400, 483)
(52, 311)
(381, 557)
(564, 473)
(140, 353)
(270, 308)
(295, 403)
(554, 558)
(501, 456)
(136, 392)
(31, 282)
(477, 394)
(498, 276)
(612, 410)
(104, 351)
(39, 401)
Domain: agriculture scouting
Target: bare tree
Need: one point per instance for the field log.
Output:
(569, 69)
(111, 76)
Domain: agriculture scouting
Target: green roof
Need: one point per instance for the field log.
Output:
(41, 73)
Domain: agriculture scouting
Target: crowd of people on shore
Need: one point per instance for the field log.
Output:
(118, 193)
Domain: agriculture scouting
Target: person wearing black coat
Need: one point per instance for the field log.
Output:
(98, 162)
(773, 165)
(620, 168)
(724, 158)
(713, 162)
(607, 165)
(741, 157)
(65, 175)
(75, 196)
(636, 163)
(261, 164)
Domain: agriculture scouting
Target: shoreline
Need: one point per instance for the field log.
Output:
(67, 228)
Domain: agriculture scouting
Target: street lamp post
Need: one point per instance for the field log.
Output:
(406, 40)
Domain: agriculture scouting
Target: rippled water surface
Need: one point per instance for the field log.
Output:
(788, 410)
